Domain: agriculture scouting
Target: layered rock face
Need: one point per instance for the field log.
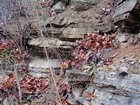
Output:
(116, 90)
(127, 13)
(117, 84)
(62, 30)
(41, 67)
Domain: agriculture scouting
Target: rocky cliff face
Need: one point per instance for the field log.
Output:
(117, 84)
(62, 30)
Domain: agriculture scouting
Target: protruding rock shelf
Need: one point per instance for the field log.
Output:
(41, 67)
(115, 89)
(127, 13)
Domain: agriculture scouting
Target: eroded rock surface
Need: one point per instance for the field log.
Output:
(61, 31)
(113, 88)
(127, 14)
(41, 67)
(117, 84)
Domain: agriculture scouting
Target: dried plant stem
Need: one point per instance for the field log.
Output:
(18, 83)
(52, 74)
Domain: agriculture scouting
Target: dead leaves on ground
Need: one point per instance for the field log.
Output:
(7, 82)
(32, 85)
(29, 84)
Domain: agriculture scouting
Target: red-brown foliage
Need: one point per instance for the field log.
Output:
(29, 84)
(86, 50)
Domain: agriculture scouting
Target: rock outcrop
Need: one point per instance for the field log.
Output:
(116, 89)
(41, 67)
(117, 84)
(62, 30)
(127, 14)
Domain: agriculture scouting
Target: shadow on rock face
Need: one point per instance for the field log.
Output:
(127, 15)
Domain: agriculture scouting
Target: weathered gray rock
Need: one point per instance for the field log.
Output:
(109, 99)
(49, 21)
(59, 21)
(75, 75)
(82, 5)
(124, 14)
(130, 64)
(78, 84)
(6, 102)
(38, 75)
(67, 33)
(41, 67)
(51, 43)
(86, 100)
(86, 1)
(44, 64)
(91, 90)
(52, 32)
(123, 39)
(102, 97)
(123, 71)
(83, 101)
(59, 7)
(138, 36)
(115, 89)
(75, 33)
(71, 100)
(124, 7)
(76, 94)
(77, 22)
(56, 1)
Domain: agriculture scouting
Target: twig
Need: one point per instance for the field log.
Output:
(18, 83)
